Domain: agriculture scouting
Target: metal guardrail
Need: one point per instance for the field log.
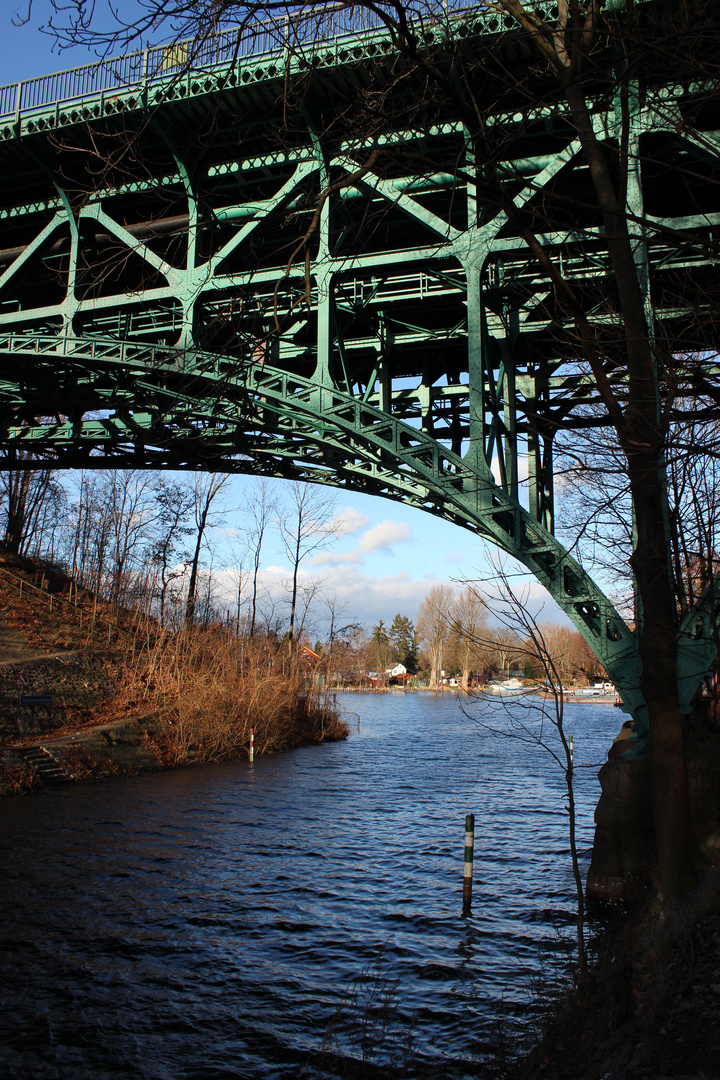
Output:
(217, 50)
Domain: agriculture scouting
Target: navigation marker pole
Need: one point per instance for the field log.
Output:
(252, 745)
(468, 863)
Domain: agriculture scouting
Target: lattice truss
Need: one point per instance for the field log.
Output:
(182, 286)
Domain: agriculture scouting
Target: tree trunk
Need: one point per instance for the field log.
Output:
(679, 855)
(296, 567)
(192, 585)
(18, 482)
(642, 434)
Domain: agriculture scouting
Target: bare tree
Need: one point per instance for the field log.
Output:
(49, 520)
(505, 647)
(539, 722)
(564, 646)
(26, 491)
(175, 503)
(261, 511)
(339, 634)
(308, 526)
(433, 624)
(469, 626)
(206, 490)
(309, 593)
(132, 511)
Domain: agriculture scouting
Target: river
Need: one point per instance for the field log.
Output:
(207, 923)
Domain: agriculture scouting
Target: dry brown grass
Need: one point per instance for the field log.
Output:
(210, 689)
(17, 779)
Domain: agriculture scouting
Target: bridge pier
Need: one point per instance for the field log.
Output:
(624, 844)
(623, 859)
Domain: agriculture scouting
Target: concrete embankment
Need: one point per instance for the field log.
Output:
(49, 732)
(41, 694)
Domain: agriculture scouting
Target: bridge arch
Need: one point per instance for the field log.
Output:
(191, 252)
(155, 407)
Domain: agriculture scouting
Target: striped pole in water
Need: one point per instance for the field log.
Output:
(252, 745)
(468, 863)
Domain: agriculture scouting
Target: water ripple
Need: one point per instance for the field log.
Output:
(208, 923)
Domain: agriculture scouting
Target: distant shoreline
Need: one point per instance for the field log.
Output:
(569, 696)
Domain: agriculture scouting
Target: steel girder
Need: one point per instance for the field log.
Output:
(161, 408)
(130, 304)
(173, 408)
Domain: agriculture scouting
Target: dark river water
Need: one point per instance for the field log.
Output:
(229, 921)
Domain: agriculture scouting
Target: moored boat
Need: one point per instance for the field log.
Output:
(507, 688)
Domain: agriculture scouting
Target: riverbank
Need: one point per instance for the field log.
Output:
(88, 692)
(86, 716)
(124, 747)
(649, 1008)
(131, 745)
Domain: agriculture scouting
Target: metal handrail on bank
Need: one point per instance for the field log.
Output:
(49, 597)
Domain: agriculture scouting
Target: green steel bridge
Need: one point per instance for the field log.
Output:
(219, 255)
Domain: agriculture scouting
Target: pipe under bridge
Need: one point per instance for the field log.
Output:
(217, 255)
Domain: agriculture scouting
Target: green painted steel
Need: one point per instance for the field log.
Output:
(176, 410)
(182, 287)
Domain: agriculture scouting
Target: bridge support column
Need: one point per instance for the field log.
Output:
(476, 368)
(624, 843)
(510, 447)
(323, 369)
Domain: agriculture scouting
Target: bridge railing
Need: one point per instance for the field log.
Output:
(256, 39)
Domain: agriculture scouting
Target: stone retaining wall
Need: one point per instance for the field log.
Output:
(75, 681)
(624, 857)
(123, 748)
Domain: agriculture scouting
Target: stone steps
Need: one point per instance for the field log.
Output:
(45, 766)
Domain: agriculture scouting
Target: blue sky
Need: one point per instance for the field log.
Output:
(390, 555)
(24, 50)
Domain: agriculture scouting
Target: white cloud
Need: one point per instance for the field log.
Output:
(361, 596)
(349, 520)
(382, 536)
(335, 558)
(369, 598)
(274, 571)
(455, 557)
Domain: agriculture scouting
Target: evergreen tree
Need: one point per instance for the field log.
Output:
(380, 647)
(404, 641)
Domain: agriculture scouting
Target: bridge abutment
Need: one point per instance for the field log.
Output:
(624, 844)
(624, 858)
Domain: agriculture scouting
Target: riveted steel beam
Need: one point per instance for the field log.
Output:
(203, 408)
(353, 308)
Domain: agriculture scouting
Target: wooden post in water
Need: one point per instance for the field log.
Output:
(468, 863)
(252, 745)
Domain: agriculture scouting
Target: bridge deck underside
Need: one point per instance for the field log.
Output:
(378, 256)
